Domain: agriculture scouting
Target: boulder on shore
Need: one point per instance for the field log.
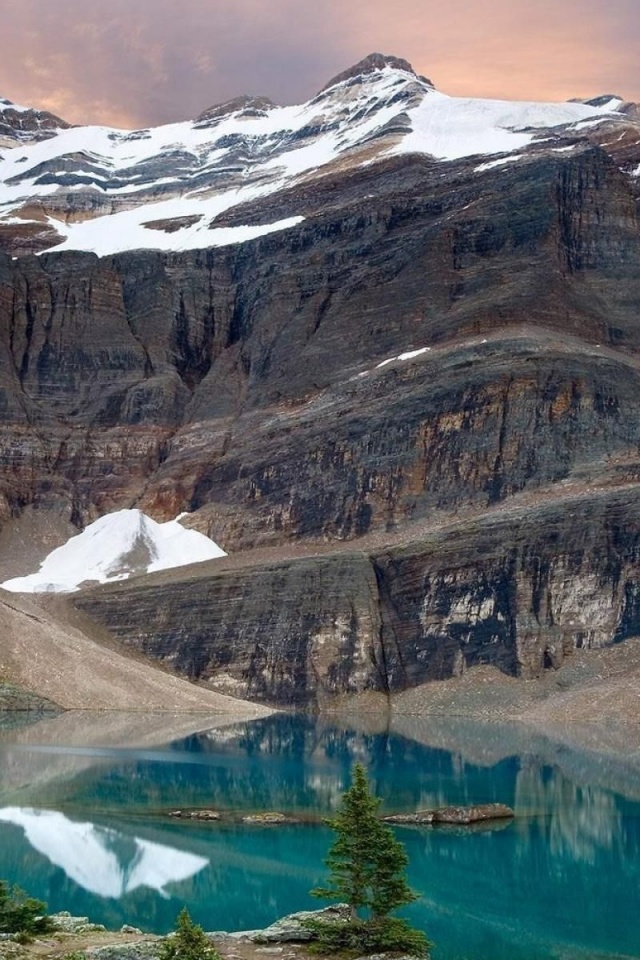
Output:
(292, 928)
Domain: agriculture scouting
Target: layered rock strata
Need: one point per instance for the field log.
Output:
(232, 381)
(519, 589)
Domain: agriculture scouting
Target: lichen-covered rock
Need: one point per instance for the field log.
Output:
(139, 950)
(67, 923)
(292, 928)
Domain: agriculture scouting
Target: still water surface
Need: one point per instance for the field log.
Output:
(82, 828)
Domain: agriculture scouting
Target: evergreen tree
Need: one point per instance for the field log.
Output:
(367, 870)
(365, 861)
(189, 942)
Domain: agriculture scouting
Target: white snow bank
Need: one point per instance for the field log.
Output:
(113, 548)
(490, 164)
(117, 232)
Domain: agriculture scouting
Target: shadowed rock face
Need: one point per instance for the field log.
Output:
(519, 590)
(243, 381)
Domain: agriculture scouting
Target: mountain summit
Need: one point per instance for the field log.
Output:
(375, 61)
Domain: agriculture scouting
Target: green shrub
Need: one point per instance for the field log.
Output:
(21, 914)
(358, 937)
(189, 942)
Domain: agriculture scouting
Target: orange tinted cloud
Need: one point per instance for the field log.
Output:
(140, 62)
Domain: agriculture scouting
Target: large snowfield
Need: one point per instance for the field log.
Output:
(116, 547)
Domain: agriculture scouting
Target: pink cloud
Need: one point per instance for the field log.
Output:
(138, 62)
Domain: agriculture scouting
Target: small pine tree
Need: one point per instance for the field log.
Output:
(189, 942)
(365, 861)
(367, 870)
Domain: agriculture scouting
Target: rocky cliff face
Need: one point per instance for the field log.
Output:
(519, 590)
(230, 382)
(433, 339)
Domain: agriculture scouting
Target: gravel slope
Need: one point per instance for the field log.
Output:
(54, 659)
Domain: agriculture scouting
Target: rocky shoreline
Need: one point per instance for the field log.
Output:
(81, 939)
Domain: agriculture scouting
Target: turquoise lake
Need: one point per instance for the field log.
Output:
(83, 827)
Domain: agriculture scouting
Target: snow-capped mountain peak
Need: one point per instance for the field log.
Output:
(20, 125)
(371, 64)
(168, 188)
(116, 547)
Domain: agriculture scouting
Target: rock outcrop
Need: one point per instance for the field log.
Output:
(244, 382)
(518, 589)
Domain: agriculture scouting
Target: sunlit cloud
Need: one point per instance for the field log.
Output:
(141, 62)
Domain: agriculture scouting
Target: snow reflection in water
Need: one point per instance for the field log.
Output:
(100, 859)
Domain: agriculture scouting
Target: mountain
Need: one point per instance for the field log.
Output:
(116, 547)
(105, 190)
(383, 347)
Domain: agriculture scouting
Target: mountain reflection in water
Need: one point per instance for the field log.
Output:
(102, 860)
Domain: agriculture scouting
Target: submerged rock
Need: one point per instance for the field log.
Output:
(195, 814)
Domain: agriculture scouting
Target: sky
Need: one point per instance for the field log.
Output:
(137, 63)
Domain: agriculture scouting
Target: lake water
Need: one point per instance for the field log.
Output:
(83, 828)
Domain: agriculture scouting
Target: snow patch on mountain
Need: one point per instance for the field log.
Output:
(131, 229)
(491, 164)
(409, 355)
(116, 547)
(450, 128)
